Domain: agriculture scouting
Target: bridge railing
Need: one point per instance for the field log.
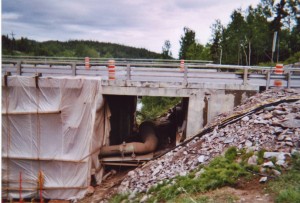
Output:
(154, 70)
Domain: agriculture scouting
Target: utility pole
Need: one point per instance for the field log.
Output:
(12, 34)
(277, 49)
(12, 42)
(221, 55)
(274, 46)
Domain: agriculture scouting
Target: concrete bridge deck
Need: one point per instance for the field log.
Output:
(210, 88)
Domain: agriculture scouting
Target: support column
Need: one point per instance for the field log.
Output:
(219, 102)
(195, 114)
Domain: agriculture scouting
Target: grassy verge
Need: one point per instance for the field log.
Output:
(222, 171)
(287, 187)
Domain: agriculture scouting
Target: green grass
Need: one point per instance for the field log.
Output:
(231, 153)
(260, 155)
(287, 187)
(119, 198)
(221, 171)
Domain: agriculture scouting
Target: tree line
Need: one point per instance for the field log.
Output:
(72, 48)
(248, 38)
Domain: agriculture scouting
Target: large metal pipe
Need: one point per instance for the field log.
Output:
(149, 144)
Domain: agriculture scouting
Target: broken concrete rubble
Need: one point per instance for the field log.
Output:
(263, 179)
(262, 129)
(201, 159)
(269, 164)
(276, 172)
(253, 160)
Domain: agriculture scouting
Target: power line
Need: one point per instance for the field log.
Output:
(12, 34)
(12, 42)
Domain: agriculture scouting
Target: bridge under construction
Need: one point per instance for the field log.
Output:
(65, 119)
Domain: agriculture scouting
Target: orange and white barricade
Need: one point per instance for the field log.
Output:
(111, 69)
(279, 71)
(182, 65)
(277, 83)
(87, 63)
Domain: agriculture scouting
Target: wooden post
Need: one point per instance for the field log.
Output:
(268, 79)
(5, 78)
(128, 73)
(18, 66)
(73, 66)
(245, 76)
(289, 79)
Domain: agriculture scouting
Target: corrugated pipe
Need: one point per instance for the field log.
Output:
(148, 145)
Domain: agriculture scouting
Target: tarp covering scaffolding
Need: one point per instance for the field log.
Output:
(52, 129)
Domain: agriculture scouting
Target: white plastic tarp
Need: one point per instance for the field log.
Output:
(53, 127)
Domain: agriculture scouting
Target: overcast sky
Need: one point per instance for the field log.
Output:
(139, 23)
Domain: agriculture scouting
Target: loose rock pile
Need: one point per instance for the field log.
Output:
(274, 128)
(267, 96)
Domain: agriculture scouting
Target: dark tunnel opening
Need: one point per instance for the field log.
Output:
(126, 135)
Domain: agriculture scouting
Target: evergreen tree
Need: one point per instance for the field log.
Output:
(186, 41)
(166, 50)
(216, 46)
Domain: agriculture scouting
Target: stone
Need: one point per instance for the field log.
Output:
(246, 119)
(288, 139)
(201, 158)
(248, 143)
(276, 173)
(144, 199)
(281, 137)
(262, 170)
(269, 108)
(281, 163)
(278, 155)
(263, 179)
(132, 195)
(260, 122)
(183, 173)
(291, 121)
(278, 112)
(125, 183)
(289, 144)
(131, 174)
(250, 149)
(269, 164)
(252, 160)
(268, 116)
(278, 130)
(282, 155)
(228, 140)
(185, 153)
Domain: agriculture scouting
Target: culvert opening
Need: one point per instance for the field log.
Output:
(142, 128)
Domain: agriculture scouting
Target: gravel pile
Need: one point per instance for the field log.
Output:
(274, 128)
